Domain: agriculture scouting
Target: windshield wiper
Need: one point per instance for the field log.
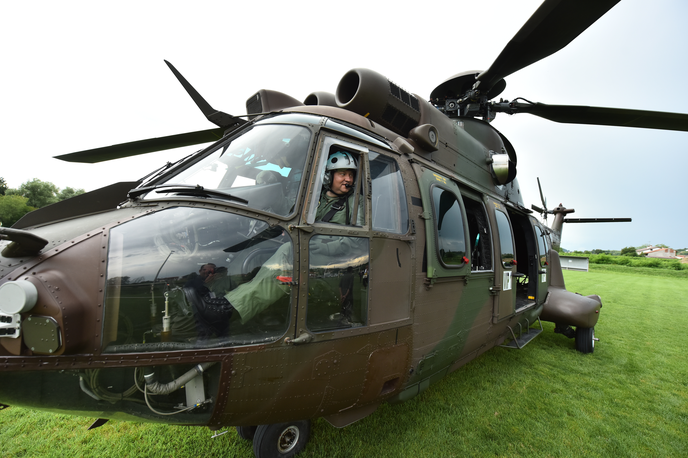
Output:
(183, 189)
(134, 193)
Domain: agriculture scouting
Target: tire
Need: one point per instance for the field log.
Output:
(246, 432)
(281, 440)
(585, 339)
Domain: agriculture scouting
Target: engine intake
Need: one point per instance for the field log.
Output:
(372, 95)
(321, 98)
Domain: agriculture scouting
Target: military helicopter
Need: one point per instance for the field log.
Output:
(106, 299)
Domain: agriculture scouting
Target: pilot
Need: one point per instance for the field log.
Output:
(210, 279)
(207, 272)
(205, 275)
(335, 206)
(210, 282)
(340, 177)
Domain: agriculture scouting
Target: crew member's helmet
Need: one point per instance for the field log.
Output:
(341, 160)
(336, 161)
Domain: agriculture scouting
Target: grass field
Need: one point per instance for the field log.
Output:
(629, 398)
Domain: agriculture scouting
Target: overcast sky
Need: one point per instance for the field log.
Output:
(79, 75)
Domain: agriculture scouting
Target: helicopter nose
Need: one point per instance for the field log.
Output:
(48, 302)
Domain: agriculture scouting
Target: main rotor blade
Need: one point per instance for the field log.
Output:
(553, 26)
(597, 220)
(575, 114)
(542, 198)
(150, 145)
(218, 118)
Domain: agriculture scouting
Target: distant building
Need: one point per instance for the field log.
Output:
(575, 263)
(645, 250)
(657, 252)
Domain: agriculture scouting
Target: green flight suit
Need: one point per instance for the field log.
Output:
(326, 203)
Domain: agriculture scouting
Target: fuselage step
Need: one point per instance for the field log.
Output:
(524, 336)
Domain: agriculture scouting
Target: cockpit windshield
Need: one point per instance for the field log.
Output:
(263, 166)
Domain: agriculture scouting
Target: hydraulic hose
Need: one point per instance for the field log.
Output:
(154, 387)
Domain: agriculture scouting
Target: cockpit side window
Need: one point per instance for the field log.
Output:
(389, 209)
(338, 264)
(187, 277)
(337, 282)
(330, 202)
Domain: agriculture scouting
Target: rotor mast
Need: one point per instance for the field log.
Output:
(559, 213)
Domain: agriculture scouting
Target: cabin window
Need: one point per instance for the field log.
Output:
(390, 211)
(449, 231)
(337, 282)
(479, 239)
(172, 274)
(505, 240)
(542, 245)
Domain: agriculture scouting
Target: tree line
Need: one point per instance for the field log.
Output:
(33, 194)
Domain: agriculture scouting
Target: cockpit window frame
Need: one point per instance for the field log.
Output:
(327, 142)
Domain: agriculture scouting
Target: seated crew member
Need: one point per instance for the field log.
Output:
(205, 274)
(340, 177)
(336, 206)
(210, 281)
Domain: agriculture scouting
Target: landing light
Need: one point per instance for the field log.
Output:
(500, 167)
(17, 297)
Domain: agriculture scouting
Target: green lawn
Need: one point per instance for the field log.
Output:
(629, 398)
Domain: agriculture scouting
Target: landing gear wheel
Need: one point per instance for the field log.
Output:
(585, 339)
(246, 432)
(281, 440)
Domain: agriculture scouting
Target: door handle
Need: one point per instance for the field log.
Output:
(301, 339)
(305, 227)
